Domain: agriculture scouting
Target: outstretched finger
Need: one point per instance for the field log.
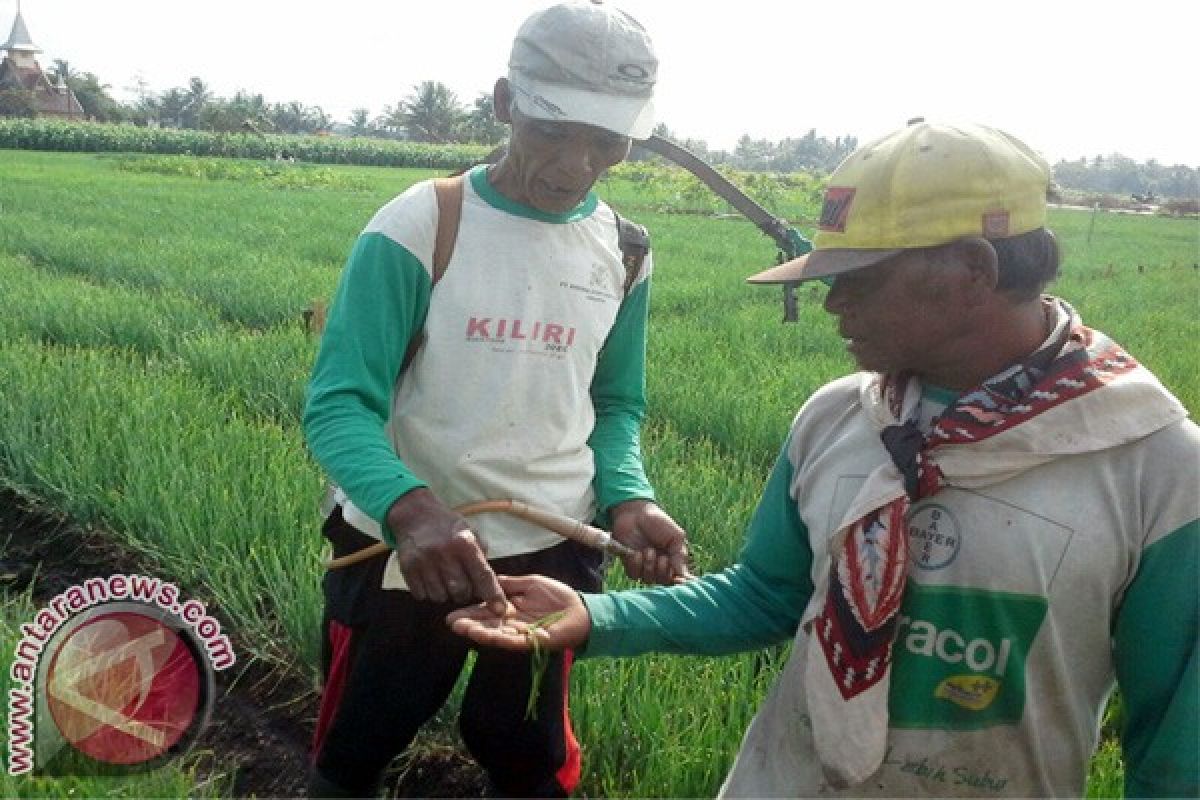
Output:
(484, 584)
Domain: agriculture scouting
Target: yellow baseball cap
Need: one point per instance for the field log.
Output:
(924, 185)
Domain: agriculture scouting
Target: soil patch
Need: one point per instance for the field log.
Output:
(263, 717)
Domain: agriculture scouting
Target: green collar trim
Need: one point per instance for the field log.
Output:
(482, 187)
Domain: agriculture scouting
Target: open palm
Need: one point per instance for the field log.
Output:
(539, 607)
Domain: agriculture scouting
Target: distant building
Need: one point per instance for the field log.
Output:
(21, 71)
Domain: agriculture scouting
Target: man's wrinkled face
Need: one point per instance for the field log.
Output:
(555, 164)
(900, 314)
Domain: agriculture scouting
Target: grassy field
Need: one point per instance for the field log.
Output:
(152, 360)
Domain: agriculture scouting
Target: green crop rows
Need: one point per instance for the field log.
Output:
(48, 134)
(153, 356)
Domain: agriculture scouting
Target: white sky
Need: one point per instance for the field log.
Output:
(1071, 77)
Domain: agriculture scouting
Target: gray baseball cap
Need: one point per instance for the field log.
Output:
(585, 62)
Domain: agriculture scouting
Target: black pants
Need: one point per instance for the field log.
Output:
(389, 662)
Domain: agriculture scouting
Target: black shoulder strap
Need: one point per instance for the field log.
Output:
(634, 241)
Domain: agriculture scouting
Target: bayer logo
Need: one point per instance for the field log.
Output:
(934, 537)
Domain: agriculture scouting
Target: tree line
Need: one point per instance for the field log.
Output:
(433, 113)
(1149, 182)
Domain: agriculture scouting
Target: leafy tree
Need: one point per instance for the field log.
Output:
(753, 154)
(169, 107)
(1116, 174)
(481, 126)
(360, 122)
(390, 123)
(1180, 181)
(93, 96)
(243, 112)
(198, 96)
(431, 113)
(296, 117)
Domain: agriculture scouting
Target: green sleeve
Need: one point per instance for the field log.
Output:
(380, 304)
(1157, 670)
(755, 602)
(618, 394)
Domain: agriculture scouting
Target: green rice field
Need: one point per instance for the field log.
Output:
(153, 358)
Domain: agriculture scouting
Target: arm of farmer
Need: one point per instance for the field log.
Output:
(1155, 647)
(380, 304)
(756, 602)
(622, 491)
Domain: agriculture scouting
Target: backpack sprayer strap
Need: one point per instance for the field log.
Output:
(634, 241)
(449, 193)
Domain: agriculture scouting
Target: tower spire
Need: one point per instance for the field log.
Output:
(19, 38)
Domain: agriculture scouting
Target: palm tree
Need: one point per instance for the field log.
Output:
(360, 122)
(481, 125)
(432, 113)
(295, 117)
(391, 121)
(171, 106)
(198, 96)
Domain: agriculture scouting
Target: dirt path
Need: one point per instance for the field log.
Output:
(262, 718)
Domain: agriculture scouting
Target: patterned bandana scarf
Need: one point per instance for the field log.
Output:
(990, 434)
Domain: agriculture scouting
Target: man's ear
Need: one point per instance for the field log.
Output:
(982, 265)
(502, 98)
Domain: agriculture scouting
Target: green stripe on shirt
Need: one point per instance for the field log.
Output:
(380, 303)
(1157, 671)
(618, 394)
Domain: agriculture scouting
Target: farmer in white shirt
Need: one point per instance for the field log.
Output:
(970, 540)
(519, 375)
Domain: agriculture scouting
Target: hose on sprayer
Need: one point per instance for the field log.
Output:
(564, 526)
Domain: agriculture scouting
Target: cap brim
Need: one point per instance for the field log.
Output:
(627, 115)
(821, 264)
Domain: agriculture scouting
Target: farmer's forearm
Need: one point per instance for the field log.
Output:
(756, 602)
(720, 613)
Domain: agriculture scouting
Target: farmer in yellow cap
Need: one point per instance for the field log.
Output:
(487, 342)
(970, 539)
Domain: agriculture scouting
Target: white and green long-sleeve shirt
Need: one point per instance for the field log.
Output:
(1025, 601)
(529, 385)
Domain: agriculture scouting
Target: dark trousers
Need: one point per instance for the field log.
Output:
(389, 662)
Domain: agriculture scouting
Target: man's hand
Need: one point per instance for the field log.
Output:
(660, 543)
(439, 555)
(538, 607)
